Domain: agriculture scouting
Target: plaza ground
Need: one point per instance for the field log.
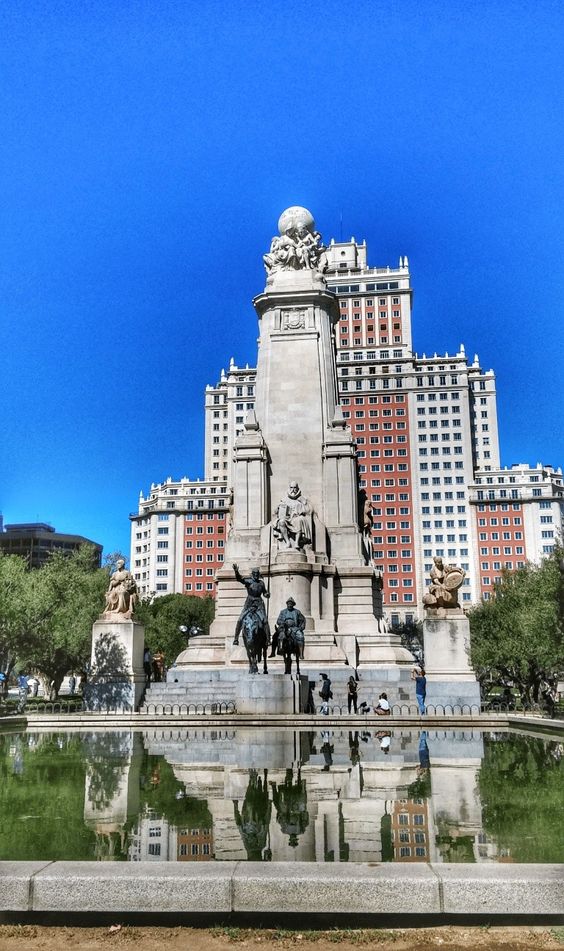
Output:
(35, 937)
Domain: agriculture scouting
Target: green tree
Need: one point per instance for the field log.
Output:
(42, 781)
(66, 596)
(521, 781)
(161, 792)
(411, 634)
(518, 635)
(16, 612)
(163, 618)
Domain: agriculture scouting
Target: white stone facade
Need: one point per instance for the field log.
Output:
(519, 517)
(178, 537)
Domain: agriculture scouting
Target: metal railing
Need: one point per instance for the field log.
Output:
(213, 708)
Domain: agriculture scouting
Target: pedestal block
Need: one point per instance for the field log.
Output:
(117, 678)
(450, 678)
(272, 693)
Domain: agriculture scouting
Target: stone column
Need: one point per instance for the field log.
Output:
(117, 679)
(450, 678)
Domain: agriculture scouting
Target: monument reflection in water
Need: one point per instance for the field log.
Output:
(325, 796)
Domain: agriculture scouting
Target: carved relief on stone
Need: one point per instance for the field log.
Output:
(293, 319)
(445, 582)
(298, 246)
(292, 524)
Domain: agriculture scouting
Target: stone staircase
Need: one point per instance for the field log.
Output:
(206, 687)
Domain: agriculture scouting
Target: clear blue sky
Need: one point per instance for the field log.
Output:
(146, 151)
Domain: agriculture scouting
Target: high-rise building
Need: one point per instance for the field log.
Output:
(518, 515)
(36, 541)
(427, 450)
(178, 536)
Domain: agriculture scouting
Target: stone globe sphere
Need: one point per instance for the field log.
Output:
(295, 217)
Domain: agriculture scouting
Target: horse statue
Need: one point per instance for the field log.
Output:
(289, 636)
(255, 639)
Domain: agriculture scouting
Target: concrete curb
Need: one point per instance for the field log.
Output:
(89, 721)
(281, 888)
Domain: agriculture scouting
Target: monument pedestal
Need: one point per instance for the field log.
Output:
(117, 678)
(450, 678)
(272, 693)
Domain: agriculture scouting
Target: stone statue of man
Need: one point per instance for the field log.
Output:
(121, 596)
(445, 582)
(293, 520)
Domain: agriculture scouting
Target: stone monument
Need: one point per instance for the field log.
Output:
(117, 679)
(297, 515)
(446, 637)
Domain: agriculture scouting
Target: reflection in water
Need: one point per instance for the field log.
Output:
(424, 759)
(254, 819)
(290, 801)
(331, 795)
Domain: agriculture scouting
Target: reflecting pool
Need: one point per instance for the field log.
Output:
(281, 795)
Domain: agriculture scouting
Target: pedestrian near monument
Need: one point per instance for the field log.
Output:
(382, 708)
(352, 694)
(325, 693)
(418, 675)
(147, 664)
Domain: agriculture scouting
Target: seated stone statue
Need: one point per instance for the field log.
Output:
(445, 582)
(293, 522)
(121, 596)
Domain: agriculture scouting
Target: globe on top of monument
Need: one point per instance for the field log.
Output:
(295, 218)
(297, 247)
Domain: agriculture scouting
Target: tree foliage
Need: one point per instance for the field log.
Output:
(42, 798)
(46, 614)
(163, 617)
(521, 781)
(16, 612)
(518, 635)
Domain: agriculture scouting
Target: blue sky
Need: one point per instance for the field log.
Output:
(146, 151)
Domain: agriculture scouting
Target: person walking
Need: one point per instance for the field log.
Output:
(352, 694)
(325, 693)
(418, 675)
(22, 691)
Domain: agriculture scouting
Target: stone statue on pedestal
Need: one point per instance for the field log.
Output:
(121, 596)
(298, 247)
(293, 523)
(445, 582)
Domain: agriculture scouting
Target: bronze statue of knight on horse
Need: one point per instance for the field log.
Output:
(288, 639)
(253, 620)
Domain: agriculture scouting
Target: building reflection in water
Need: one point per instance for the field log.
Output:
(331, 795)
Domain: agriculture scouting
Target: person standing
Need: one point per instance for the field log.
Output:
(418, 675)
(352, 694)
(147, 658)
(72, 685)
(325, 693)
(22, 691)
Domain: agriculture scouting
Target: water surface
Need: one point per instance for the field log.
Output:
(281, 795)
